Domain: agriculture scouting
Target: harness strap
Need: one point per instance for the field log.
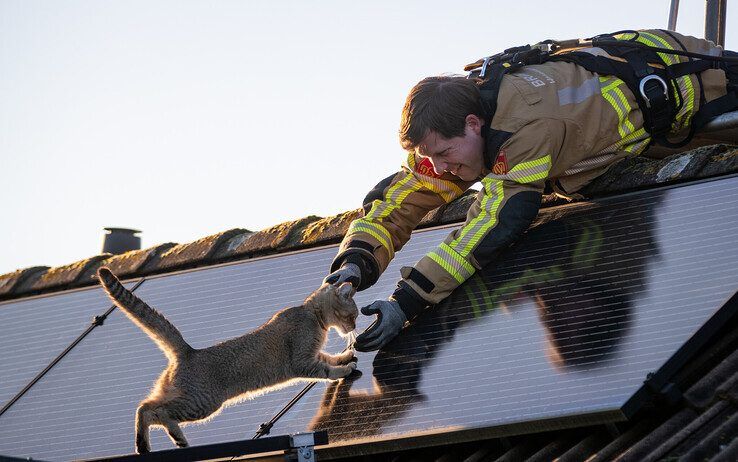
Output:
(654, 88)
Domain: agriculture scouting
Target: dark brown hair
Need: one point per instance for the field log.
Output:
(438, 104)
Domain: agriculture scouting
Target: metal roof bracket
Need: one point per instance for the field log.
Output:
(302, 445)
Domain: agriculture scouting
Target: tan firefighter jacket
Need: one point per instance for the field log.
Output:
(554, 121)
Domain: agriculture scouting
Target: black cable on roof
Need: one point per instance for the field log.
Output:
(96, 321)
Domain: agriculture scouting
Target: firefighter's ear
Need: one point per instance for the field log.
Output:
(475, 123)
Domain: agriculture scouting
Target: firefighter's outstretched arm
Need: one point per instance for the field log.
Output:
(391, 211)
(505, 207)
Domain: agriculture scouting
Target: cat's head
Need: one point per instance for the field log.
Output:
(336, 305)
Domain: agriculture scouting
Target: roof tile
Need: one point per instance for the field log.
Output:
(270, 239)
(702, 393)
(192, 253)
(329, 229)
(718, 438)
(130, 263)
(638, 172)
(62, 277)
(9, 282)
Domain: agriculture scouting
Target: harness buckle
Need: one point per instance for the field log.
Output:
(484, 66)
(642, 88)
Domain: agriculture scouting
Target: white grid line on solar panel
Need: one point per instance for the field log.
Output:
(688, 237)
(522, 363)
(92, 427)
(53, 312)
(725, 292)
(514, 358)
(36, 346)
(717, 290)
(726, 187)
(518, 360)
(516, 402)
(103, 413)
(97, 303)
(516, 367)
(663, 319)
(714, 250)
(514, 362)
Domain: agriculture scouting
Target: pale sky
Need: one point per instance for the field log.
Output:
(187, 118)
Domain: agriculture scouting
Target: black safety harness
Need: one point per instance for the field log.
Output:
(655, 87)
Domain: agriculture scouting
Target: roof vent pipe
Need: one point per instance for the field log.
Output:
(673, 13)
(121, 240)
(715, 13)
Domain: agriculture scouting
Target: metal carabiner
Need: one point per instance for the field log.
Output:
(642, 88)
(484, 66)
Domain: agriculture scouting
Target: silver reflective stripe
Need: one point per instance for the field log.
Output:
(575, 95)
(589, 164)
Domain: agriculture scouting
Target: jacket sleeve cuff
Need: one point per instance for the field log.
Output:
(410, 302)
(361, 257)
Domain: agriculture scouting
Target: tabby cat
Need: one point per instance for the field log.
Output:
(198, 382)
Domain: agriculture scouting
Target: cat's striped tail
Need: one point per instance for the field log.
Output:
(156, 326)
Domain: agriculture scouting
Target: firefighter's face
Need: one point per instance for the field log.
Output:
(461, 155)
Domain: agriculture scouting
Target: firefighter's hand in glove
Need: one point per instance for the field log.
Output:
(390, 321)
(348, 272)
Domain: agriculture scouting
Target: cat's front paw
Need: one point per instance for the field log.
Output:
(347, 357)
(342, 371)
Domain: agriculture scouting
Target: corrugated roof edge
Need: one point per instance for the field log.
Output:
(312, 231)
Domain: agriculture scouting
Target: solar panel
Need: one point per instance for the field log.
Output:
(562, 331)
(34, 331)
(96, 392)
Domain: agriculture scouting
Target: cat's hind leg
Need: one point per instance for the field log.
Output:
(174, 431)
(144, 419)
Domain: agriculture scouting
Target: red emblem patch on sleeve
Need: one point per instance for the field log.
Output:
(425, 167)
(500, 167)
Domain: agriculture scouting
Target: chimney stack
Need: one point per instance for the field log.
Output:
(121, 240)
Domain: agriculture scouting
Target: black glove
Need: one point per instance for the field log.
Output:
(390, 321)
(348, 272)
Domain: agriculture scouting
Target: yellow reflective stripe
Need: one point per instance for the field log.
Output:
(533, 178)
(411, 160)
(444, 188)
(446, 266)
(394, 197)
(615, 83)
(644, 38)
(470, 234)
(457, 258)
(531, 163)
(453, 263)
(491, 221)
(528, 172)
(627, 109)
(633, 144)
(614, 95)
(619, 111)
(375, 230)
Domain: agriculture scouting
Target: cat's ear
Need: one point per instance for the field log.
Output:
(346, 290)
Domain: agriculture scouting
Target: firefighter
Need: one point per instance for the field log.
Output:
(558, 124)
